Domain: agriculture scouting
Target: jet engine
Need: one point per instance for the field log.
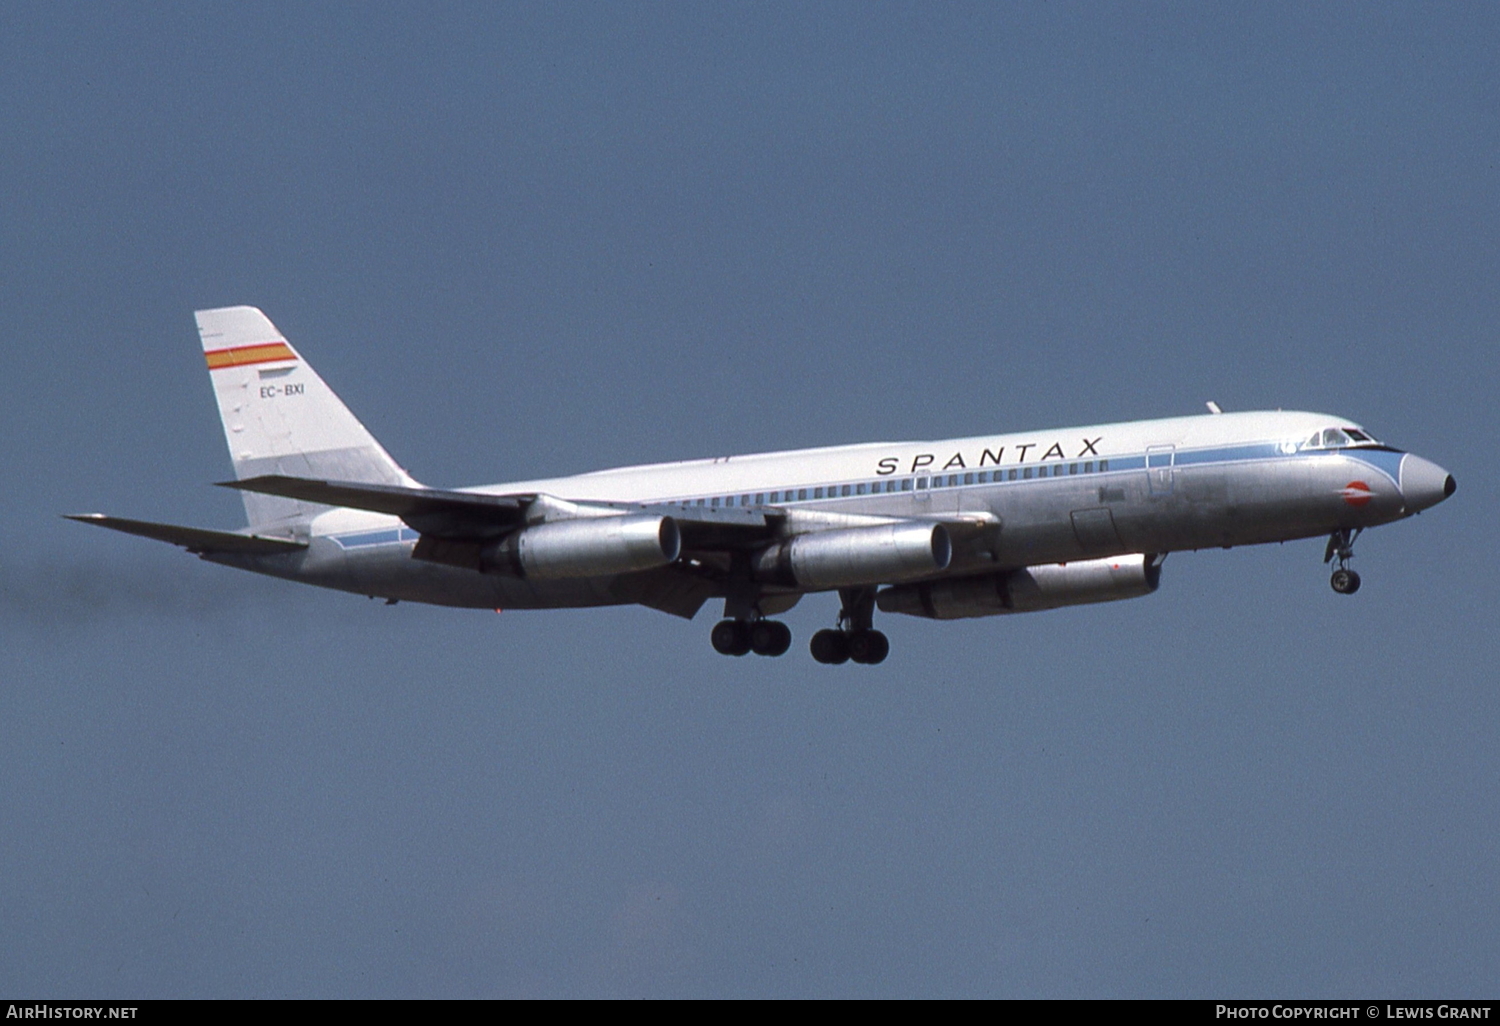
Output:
(588, 547)
(584, 548)
(1031, 588)
(857, 556)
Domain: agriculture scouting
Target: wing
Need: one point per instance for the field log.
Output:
(475, 516)
(718, 543)
(456, 527)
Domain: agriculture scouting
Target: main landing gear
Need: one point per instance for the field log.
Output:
(1341, 544)
(855, 638)
(763, 637)
(863, 646)
(743, 631)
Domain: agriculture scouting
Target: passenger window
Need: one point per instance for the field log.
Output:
(906, 484)
(715, 501)
(817, 493)
(921, 482)
(984, 477)
(760, 498)
(1103, 465)
(1012, 474)
(801, 494)
(1088, 468)
(1025, 473)
(968, 479)
(1072, 468)
(844, 490)
(859, 489)
(702, 503)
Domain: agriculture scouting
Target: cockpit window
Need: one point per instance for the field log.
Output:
(1338, 438)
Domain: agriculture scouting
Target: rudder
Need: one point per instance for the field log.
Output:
(280, 418)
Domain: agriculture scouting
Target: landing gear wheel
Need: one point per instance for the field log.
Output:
(831, 647)
(731, 637)
(869, 647)
(770, 638)
(1341, 545)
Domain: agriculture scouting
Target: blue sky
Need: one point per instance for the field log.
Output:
(531, 240)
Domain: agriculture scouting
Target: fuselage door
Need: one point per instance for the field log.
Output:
(1159, 469)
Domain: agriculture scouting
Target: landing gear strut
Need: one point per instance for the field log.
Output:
(1341, 544)
(855, 638)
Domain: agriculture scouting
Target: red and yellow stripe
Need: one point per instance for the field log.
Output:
(265, 352)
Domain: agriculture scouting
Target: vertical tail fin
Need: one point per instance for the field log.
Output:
(280, 418)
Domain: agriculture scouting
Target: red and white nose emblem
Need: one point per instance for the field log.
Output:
(1356, 493)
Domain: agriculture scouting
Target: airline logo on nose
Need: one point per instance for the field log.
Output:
(1356, 493)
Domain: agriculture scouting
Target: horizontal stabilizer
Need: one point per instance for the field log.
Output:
(194, 539)
(429, 510)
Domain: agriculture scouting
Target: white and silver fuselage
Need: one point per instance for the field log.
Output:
(1034, 498)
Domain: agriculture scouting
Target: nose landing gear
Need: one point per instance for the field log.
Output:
(1341, 544)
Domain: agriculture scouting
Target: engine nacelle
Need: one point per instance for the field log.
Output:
(857, 556)
(589, 547)
(1031, 588)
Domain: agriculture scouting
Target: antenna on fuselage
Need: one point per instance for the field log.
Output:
(1213, 407)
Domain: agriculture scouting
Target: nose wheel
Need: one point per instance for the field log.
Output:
(1345, 582)
(1341, 546)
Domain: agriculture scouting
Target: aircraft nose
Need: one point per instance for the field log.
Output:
(1424, 483)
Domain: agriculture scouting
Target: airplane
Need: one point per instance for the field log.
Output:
(969, 527)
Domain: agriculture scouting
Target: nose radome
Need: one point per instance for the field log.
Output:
(1424, 483)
